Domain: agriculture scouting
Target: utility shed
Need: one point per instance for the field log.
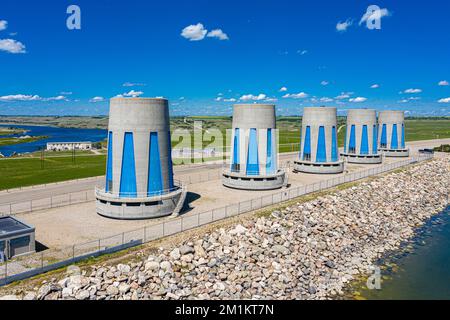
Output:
(16, 238)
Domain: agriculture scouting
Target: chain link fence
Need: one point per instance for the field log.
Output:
(33, 264)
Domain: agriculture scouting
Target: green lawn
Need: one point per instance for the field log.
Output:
(20, 172)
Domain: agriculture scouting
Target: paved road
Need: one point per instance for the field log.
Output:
(182, 171)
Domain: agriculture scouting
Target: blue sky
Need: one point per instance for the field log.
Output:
(291, 53)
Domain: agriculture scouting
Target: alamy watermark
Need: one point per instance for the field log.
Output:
(73, 22)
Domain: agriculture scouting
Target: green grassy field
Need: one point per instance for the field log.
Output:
(26, 171)
(21, 172)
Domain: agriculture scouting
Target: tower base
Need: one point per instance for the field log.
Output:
(363, 158)
(319, 168)
(237, 180)
(111, 206)
(395, 153)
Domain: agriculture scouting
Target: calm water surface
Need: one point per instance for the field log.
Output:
(54, 134)
(422, 270)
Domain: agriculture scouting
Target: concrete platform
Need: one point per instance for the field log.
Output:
(395, 153)
(319, 168)
(362, 158)
(111, 206)
(265, 182)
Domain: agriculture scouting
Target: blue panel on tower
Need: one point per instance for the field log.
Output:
(236, 158)
(170, 164)
(307, 145)
(270, 165)
(252, 156)
(403, 136)
(352, 143)
(109, 166)
(364, 141)
(383, 141)
(154, 185)
(375, 140)
(321, 155)
(128, 173)
(334, 146)
(394, 140)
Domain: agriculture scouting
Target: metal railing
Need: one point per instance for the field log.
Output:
(100, 191)
(30, 265)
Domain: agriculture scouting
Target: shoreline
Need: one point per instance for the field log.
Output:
(308, 250)
(389, 261)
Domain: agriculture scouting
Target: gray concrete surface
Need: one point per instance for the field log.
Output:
(360, 118)
(261, 117)
(141, 117)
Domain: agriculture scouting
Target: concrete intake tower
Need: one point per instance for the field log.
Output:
(392, 134)
(319, 145)
(254, 149)
(139, 173)
(361, 137)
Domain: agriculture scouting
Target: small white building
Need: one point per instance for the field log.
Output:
(69, 146)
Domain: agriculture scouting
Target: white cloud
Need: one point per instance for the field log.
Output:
(12, 46)
(29, 97)
(325, 83)
(358, 99)
(229, 100)
(326, 99)
(300, 95)
(302, 52)
(57, 98)
(66, 93)
(343, 26)
(250, 97)
(97, 99)
(375, 86)
(283, 89)
(218, 33)
(445, 100)
(132, 84)
(194, 32)
(379, 14)
(443, 83)
(3, 25)
(412, 90)
(218, 99)
(20, 97)
(133, 94)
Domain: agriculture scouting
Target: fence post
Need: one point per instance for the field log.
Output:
(99, 245)
(123, 238)
(73, 252)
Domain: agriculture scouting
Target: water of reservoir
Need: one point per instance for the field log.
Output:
(54, 134)
(422, 270)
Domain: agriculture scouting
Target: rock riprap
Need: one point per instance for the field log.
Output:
(309, 250)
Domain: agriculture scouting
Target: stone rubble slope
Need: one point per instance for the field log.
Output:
(307, 251)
